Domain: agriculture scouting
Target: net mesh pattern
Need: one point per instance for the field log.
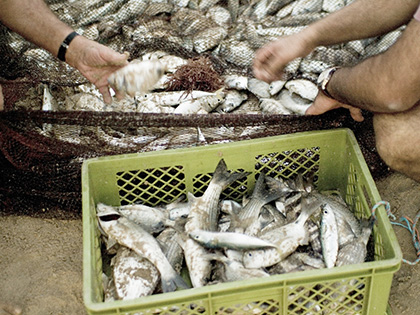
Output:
(43, 150)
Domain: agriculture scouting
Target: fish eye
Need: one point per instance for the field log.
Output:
(249, 254)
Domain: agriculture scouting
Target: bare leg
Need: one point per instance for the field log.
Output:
(398, 141)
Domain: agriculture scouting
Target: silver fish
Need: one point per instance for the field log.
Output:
(247, 219)
(298, 261)
(235, 271)
(307, 6)
(94, 15)
(272, 106)
(134, 276)
(329, 236)
(204, 210)
(204, 104)
(129, 10)
(332, 5)
(287, 238)
(293, 102)
(172, 63)
(230, 207)
(237, 52)
(131, 235)
(152, 219)
(229, 240)
(276, 86)
(204, 5)
(340, 210)
(209, 38)
(173, 98)
(259, 88)
(178, 209)
(313, 66)
(169, 241)
(137, 77)
(304, 88)
(232, 100)
(236, 82)
(355, 251)
(203, 215)
(220, 16)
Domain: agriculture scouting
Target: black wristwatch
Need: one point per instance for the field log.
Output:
(324, 78)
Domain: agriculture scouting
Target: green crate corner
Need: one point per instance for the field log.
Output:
(163, 176)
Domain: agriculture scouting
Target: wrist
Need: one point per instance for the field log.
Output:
(62, 50)
(75, 50)
(324, 80)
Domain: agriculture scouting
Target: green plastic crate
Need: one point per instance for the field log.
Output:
(161, 177)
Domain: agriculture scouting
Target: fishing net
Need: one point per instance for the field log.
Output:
(54, 119)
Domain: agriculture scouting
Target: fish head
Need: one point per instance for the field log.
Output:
(253, 259)
(106, 215)
(197, 235)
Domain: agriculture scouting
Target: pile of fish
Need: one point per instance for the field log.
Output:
(283, 226)
(167, 33)
(230, 31)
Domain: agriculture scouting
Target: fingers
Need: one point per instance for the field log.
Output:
(356, 114)
(322, 104)
(106, 94)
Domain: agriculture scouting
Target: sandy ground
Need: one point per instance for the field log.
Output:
(41, 260)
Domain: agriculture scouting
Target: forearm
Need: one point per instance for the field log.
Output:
(388, 82)
(361, 19)
(34, 21)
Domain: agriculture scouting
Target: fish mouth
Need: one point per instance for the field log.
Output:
(109, 217)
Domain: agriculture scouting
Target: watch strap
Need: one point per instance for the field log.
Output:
(326, 80)
(64, 45)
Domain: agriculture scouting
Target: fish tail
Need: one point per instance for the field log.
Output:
(309, 206)
(278, 184)
(174, 282)
(223, 177)
(262, 193)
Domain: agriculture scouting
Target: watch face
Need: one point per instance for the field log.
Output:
(322, 77)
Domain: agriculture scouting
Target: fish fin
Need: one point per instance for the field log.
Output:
(309, 206)
(278, 184)
(191, 197)
(223, 177)
(171, 284)
(260, 192)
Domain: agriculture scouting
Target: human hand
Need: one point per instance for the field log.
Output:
(96, 62)
(323, 104)
(271, 59)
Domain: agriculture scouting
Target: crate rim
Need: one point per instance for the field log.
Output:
(364, 269)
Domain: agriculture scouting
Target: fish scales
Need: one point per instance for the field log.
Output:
(208, 203)
(236, 271)
(153, 220)
(247, 219)
(134, 276)
(355, 251)
(204, 213)
(229, 240)
(329, 236)
(341, 210)
(287, 238)
(131, 235)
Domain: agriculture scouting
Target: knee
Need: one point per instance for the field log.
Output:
(398, 152)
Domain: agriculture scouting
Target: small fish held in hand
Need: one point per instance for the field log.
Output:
(137, 77)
